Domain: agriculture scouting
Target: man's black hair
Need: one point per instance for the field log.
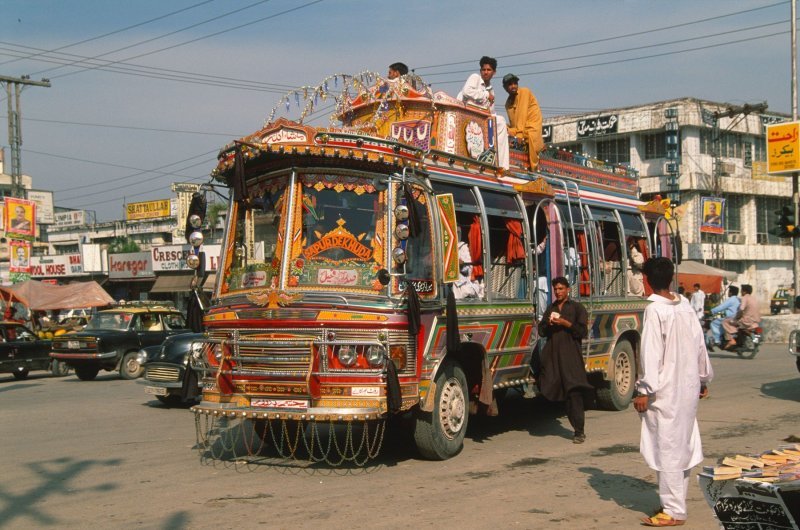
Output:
(747, 288)
(560, 280)
(659, 272)
(401, 68)
(491, 61)
(733, 290)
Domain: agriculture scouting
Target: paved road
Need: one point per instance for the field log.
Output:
(101, 454)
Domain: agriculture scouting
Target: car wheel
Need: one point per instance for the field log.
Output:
(130, 368)
(617, 392)
(86, 373)
(439, 434)
(20, 373)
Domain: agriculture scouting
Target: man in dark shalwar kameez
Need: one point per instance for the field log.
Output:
(563, 374)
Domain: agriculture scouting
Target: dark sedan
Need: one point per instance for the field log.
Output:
(22, 351)
(168, 372)
(112, 339)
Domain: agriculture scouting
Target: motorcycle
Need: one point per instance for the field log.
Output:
(748, 341)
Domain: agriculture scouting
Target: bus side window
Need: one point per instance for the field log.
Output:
(613, 281)
(507, 246)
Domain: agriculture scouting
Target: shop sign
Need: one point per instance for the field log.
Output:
(56, 266)
(130, 265)
(148, 210)
(173, 257)
(73, 218)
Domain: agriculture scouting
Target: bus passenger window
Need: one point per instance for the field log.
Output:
(470, 253)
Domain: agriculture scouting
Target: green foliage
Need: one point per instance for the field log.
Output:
(122, 245)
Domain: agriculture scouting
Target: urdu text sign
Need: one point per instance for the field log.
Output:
(783, 148)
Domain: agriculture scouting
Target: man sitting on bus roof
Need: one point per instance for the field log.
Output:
(478, 91)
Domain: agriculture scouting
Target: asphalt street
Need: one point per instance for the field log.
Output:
(103, 454)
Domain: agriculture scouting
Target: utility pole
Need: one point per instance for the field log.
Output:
(15, 125)
(795, 176)
(731, 111)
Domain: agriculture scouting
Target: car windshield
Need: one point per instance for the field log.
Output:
(112, 320)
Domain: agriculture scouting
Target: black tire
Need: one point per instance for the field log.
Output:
(86, 373)
(439, 434)
(748, 350)
(617, 392)
(130, 368)
(20, 373)
(59, 368)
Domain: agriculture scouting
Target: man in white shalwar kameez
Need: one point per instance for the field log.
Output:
(674, 371)
(478, 91)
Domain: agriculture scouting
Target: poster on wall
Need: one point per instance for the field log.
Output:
(20, 256)
(713, 221)
(19, 216)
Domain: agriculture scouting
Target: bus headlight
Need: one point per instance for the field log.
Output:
(401, 231)
(399, 256)
(346, 355)
(375, 355)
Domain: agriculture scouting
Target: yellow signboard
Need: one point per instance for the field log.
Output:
(783, 148)
(147, 210)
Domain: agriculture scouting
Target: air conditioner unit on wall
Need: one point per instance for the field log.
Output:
(737, 239)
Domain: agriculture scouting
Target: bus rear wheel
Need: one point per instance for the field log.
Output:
(617, 392)
(439, 434)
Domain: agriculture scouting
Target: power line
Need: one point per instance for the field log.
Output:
(191, 41)
(130, 127)
(636, 48)
(90, 39)
(606, 39)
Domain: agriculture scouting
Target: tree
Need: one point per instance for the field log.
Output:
(122, 245)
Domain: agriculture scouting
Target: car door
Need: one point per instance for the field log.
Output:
(29, 349)
(150, 330)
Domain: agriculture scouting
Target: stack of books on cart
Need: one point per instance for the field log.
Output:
(776, 466)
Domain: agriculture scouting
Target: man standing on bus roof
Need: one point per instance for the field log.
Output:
(524, 117)
(563, 372)
(478, 91)
(673, 375)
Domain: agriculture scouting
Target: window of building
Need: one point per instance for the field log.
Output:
(767, 219)
(706, 142)
(655, 146)
(759, 149)
(616, 151)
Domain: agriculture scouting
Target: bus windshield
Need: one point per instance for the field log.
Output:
(330, 230)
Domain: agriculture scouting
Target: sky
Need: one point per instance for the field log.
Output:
(145, 93)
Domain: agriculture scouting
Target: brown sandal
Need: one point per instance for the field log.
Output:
(662, 519)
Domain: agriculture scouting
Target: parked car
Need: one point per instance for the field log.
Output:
(113, 337)
(165, 370)
(780, 300)
(22, 351)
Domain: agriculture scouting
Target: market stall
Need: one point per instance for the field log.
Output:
(755, 492)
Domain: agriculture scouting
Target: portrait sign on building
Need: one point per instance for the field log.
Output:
(20, 256)
(713, 215)
(19, 218)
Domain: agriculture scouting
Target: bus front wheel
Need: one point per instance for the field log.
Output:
(439, 434)
(617, 392)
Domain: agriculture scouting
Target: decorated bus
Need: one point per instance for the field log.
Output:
(385, 265)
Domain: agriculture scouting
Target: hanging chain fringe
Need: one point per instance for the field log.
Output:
(247, 441)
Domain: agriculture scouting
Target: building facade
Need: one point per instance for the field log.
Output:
(698, 152)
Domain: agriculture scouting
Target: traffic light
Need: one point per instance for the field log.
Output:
(785, 225)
